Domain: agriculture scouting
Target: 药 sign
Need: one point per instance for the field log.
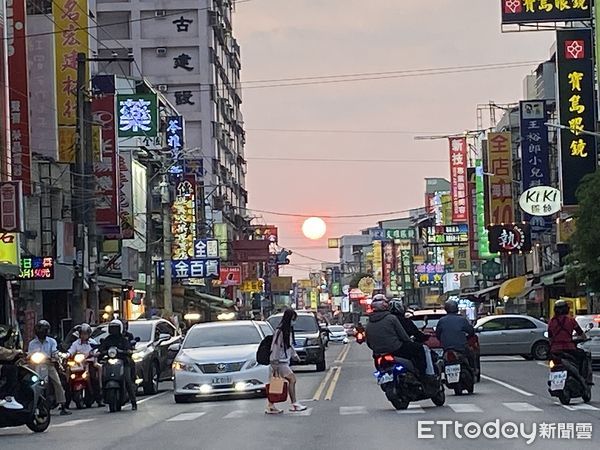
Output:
(540, 201)
(510, 238)
(137, 114)
(37, 268)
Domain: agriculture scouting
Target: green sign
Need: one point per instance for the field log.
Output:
(405, 233)
(482, 232)
(137, 115)
(336, 289)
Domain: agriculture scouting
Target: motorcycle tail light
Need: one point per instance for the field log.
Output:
(451, 356)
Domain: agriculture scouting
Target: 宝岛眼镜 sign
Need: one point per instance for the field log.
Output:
(536, 11)
(540, 201)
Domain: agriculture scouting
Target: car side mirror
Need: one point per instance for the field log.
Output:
(479, 329)
(164, 337)
(589, 326)
(175, 347)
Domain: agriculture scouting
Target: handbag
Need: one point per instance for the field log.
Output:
(277, 390)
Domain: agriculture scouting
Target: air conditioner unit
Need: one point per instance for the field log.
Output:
(160, 13)
(163, 87)
(161, 51)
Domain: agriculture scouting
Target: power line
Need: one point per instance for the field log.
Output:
(337, 160)
(339, 131)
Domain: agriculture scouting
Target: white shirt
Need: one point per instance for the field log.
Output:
(79, 347)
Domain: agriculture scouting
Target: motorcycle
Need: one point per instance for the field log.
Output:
(39, 362)
(399, 380)
(457, 372)
(79, 380)
(113, 379)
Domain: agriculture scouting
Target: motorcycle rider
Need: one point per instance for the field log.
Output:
(131, 339)
(560, 333)
(84, 345)
(116, 338)
(47, 345)
(453, 329)
(385, 335)
(9, 372)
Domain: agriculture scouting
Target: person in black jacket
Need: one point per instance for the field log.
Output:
(385, 335)
(397, 309)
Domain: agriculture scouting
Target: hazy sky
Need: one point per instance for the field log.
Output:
(297, 38)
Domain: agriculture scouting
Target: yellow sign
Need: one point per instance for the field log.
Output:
(314, 300)
(183, 221)
(499, 149)
(333, 243)
(304, 284)
(66, 143)
(377, 261)
(9, 249)
(71, 22)
(252, 286)
(366, 285)
(97, 142)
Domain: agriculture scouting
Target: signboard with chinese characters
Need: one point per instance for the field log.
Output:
(192, 268)
(462, 259)
(253, 286)
(175, 143)
(535, 154)
(404, 263)
(265, 232)
(483, 248)
(230, 276)
(126, 217)
(540, 201)
(576, 108)
(18, 95)
(403, 234)
(446, 235)
(206, 248)
(510, 238)
(430, 274)
(499, 148)
(536, 11)
(11, 207)
(137, 114)
(37, 268)
(250, 251)
(389, 267)
(458, 178)
(71, 23)
(378, 263)
(183, 220)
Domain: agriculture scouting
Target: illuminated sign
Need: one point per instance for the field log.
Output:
(446, 235)
(540, 201)
(184, 220)
(501, 177)
(536, 11)
(175, 142)
(137, 114)
(404, 233)
(483, 248)
(430, 274)
(37, 268)
(510, 238)
(458, 178)
(192, 268)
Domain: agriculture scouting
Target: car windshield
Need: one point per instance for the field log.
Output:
(336, 328)
(142, 330)
(222, 336)
(303, 324)
(431, 321)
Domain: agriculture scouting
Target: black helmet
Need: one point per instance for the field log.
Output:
(42, 329)
(379, 303)
(451, 307)
(561, 308)
(115, 327)
(397, 307)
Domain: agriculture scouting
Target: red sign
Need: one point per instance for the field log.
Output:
(458, 179)
(18, 95)
(107, 200)
(231, 276)
(11, 210)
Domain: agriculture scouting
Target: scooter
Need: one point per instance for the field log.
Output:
(399, 380)
(113, 378)
(79, 380)
(457, 372)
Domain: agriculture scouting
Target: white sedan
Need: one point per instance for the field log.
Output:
(337, 333)
(219, 358)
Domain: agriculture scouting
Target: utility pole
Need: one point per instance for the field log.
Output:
(167, 238)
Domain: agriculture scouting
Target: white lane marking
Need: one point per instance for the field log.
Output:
(72, 423)
(304, 413)
(412, 409)
(543, 364)
(522, 407)
(236, 414)
(501, 358)
(352, 410)
(465, 408)
(147, 399)
(507, 386)
(581, 407)
(184, 417)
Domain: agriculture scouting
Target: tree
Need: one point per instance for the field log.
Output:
(586, 238)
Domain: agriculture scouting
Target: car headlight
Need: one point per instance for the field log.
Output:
(138, 356)
(112, 352)
(250, 364)
(79, 358)
(38, 358)
(313, 341)
(180, 366)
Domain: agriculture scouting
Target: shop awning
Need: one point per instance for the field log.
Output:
(223, 302)
(558, 277)
(513, 288)
(481, 293)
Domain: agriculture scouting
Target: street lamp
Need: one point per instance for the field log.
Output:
(564, 127)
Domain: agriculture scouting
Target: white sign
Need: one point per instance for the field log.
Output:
(540, 201)
(452, 280)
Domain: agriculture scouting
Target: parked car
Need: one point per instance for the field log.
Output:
(337, 333)
(593, 345)
(350, 329)
(513, 334)
(584, 321)
(219, 358)
(152, 357)
(309, 342)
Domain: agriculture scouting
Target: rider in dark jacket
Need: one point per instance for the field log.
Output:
(397, 309)
(453, 329)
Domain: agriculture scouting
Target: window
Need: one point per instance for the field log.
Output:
(266, 329)
(142, 330)
(519, 323)
(222, 336)
(165, 328)
(494, 325)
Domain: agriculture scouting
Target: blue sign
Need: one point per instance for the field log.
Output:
(535, 154)
(191, 268)
(175, 142)
(377, 234)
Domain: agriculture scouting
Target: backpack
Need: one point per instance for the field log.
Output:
(263, 354)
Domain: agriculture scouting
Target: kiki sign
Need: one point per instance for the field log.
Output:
(540, 201)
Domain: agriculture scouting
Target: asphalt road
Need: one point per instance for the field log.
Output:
(347, 410)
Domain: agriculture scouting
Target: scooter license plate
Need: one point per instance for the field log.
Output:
(452, 373)
(558, 380)
(385, 378)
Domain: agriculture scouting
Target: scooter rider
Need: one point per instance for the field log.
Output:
(117, 339)
(453, 329)
(84, 345)
(47, 345)
(560, 332)
(131, 339)
(9, 372)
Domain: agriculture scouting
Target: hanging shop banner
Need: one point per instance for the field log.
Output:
(404, 263)
(206, 248)
(175, 143)
(536, 11)
(137, 114)
(18, 95)
(37, 268)
(482, 232)
(499, 148)
(535, 155)
(378, 262)
(126, 196)
(71, 23)
(540, 201)
(577, 108)
(11, 207)
(107, 205)
(455, 235)
(183, 221)
(230, 276)
(458, 178)
(389, 267)
(403, 234)
(510, 238)
(192, 268)
(430, 274)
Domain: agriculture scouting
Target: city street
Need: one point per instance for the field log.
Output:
(346, 411)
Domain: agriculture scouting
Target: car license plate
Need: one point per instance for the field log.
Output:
(221, 380)
(452, 373)
(557, 380)
(385, 378)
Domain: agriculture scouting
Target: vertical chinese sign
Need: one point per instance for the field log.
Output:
(404, 261)
(535, 154)
(501, 178)
(482, 231)
(458, 179)
(378, 263)
(184, 219)
(19, 88)
(389, 269)
(175, 143)
(576, 109)
(126, 220)
(71, 22)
